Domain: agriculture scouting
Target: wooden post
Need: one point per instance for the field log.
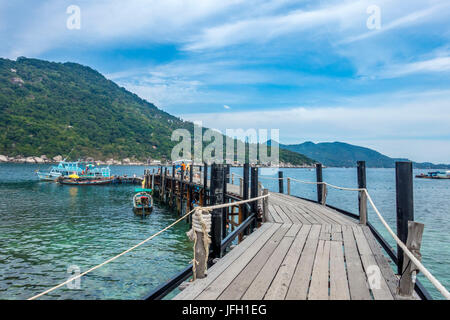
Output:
(254, 193)
(241, 187)
(413, 243)
(405, 204)
(260, 189)
(181, 187)
(205, 184)
(216, 197)
(280, 182)
(240, 220)
(153, 181)
(245, 194)
(164, 184)
(319, 178)
(227, 173)
(266, 205)
(225, 200)
(191, 180)
(362, 196)
(288, 180)
(172, 188)
(201, 256)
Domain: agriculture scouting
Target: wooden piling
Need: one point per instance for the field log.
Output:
(225, 199)
(200, 256)
(254, 194)
(405, 204)
(362, 196)
(172, 188)
(245, 194)
(288, 182)
(413, 243)
(280, 182)
(216, 197)
(181, 189)
(266, 205)
(205, 184)
(319, 178)
(241, 187)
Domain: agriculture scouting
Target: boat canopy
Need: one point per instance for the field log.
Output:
(186, 161)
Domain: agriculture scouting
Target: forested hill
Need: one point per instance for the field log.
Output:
(51, 108)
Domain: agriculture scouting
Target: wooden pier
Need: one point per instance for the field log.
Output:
(303, 251)
(292, 248)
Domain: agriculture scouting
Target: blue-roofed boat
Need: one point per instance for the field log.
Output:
(143, 201)
(85, 170)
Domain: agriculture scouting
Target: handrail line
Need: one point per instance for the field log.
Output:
(445, 293)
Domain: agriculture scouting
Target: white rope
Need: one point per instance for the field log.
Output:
(270, 178)
(411, 256)
(200, 223)
(405, 249)
(219, 206)
(328, 184)
(144, 241)
(307, 182)
(111, 259)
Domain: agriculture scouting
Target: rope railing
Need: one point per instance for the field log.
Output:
(411, 256)
(445, 293)
(209, 208)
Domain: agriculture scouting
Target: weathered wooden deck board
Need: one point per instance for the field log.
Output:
(306, 251)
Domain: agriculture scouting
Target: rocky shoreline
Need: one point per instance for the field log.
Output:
(43, 159)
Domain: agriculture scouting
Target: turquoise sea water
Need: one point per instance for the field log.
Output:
(46, 228)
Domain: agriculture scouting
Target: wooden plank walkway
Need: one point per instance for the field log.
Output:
(304, 251)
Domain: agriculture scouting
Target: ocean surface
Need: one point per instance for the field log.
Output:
(48, 231)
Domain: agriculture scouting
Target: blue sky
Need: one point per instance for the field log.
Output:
(312, 69)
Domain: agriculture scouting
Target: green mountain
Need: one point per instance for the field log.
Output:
(51, 108)
(339, 154)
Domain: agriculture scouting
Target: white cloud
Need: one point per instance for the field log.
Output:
(226, 107)
(438, 64)
(401, 117)
(262, 29)
(402, 21)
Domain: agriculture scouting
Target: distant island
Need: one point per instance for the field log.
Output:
(340, 154)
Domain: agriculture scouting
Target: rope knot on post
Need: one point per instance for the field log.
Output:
(201, 226)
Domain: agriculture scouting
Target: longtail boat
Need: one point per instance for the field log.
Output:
(143, 201)
(84, 182)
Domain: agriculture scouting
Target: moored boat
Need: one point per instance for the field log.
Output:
(78, 181)
(434, 175)
(82, 169)
(143, 201)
